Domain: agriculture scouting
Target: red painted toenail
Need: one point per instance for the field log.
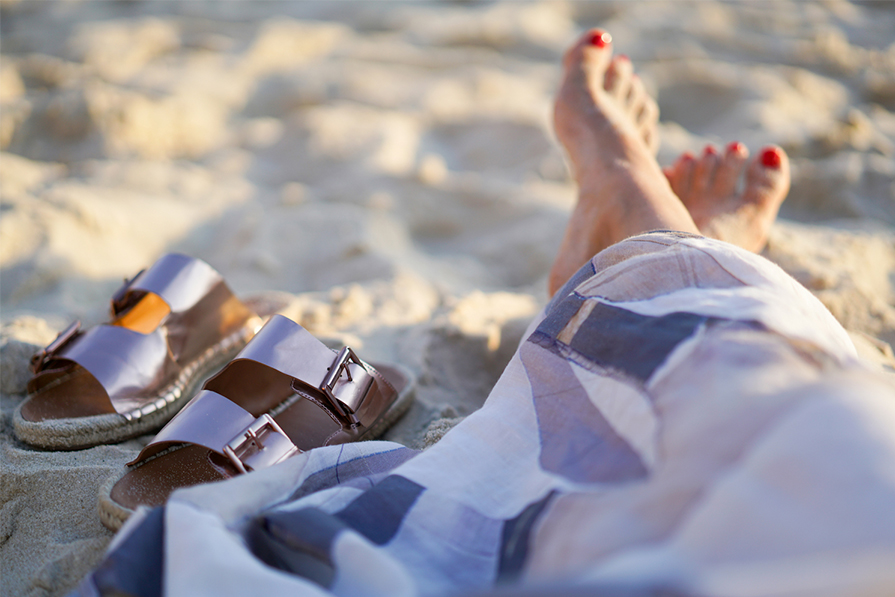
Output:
(736, 147)
(771, 158)
(601, 39)
(710, 150)
(687, 156)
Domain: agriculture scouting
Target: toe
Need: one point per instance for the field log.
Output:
(643, 108)
(767, 179)
(618, 78)
(669, 172)
(645, 113)
(651, 138)
(647, 121)
(729, 170)
(593, 48)
(682, 176)
(704, 172)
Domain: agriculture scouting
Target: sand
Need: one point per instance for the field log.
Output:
(392, 169)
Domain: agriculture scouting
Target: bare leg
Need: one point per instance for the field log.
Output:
(605, 121)
(709, 188)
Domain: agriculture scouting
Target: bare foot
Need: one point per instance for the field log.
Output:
(606, 122)
(709, 186)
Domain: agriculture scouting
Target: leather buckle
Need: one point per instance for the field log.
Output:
(340, 364)
(260, 445)
(118, 303)
(64, 337)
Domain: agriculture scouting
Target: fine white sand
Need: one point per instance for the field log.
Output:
(391, 167)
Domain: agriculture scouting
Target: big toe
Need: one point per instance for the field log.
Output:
(592, 50)
(767, 179)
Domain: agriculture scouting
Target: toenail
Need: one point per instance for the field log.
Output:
(736, 147)
(771, 158)
(710, 150)
(687, 156)
(600, 39)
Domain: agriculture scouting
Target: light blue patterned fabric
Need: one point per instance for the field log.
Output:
(683, 417)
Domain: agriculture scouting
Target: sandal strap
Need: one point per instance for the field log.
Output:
(179, 280)
(233, 405)
(292, 350)
(340, 381)
(217, 423)
(128, 364)
(123, 361)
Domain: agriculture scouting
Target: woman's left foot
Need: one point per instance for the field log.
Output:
(709, 186)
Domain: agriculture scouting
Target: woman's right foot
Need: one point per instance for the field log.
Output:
(709, 186)
(606, 123)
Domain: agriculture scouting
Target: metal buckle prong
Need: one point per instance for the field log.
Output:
(248, 448)
(234, 459)
(64, 337)
(119, 295)
(329, 382)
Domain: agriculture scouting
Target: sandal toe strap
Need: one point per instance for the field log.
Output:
(124, 362)
(215, 422)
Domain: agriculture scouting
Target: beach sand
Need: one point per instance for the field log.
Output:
(391, 169)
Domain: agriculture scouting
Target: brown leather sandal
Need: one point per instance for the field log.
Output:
(285, 393)
(171, 327)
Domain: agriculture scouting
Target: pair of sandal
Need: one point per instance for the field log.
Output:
(171, 327)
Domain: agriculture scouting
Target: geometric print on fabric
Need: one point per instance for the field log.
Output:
(630, 342)
(132, 568)
(377, 513)
(585, 272)
(360, 472)
(613, 338)
(300, 541)
(577, 442)
(515, 539)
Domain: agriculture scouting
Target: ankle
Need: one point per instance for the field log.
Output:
(629, 205)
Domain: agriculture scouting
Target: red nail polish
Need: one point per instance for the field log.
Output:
(736, 147)
(600, 39)
(770, 158)
(687, 156)
(710, 150)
